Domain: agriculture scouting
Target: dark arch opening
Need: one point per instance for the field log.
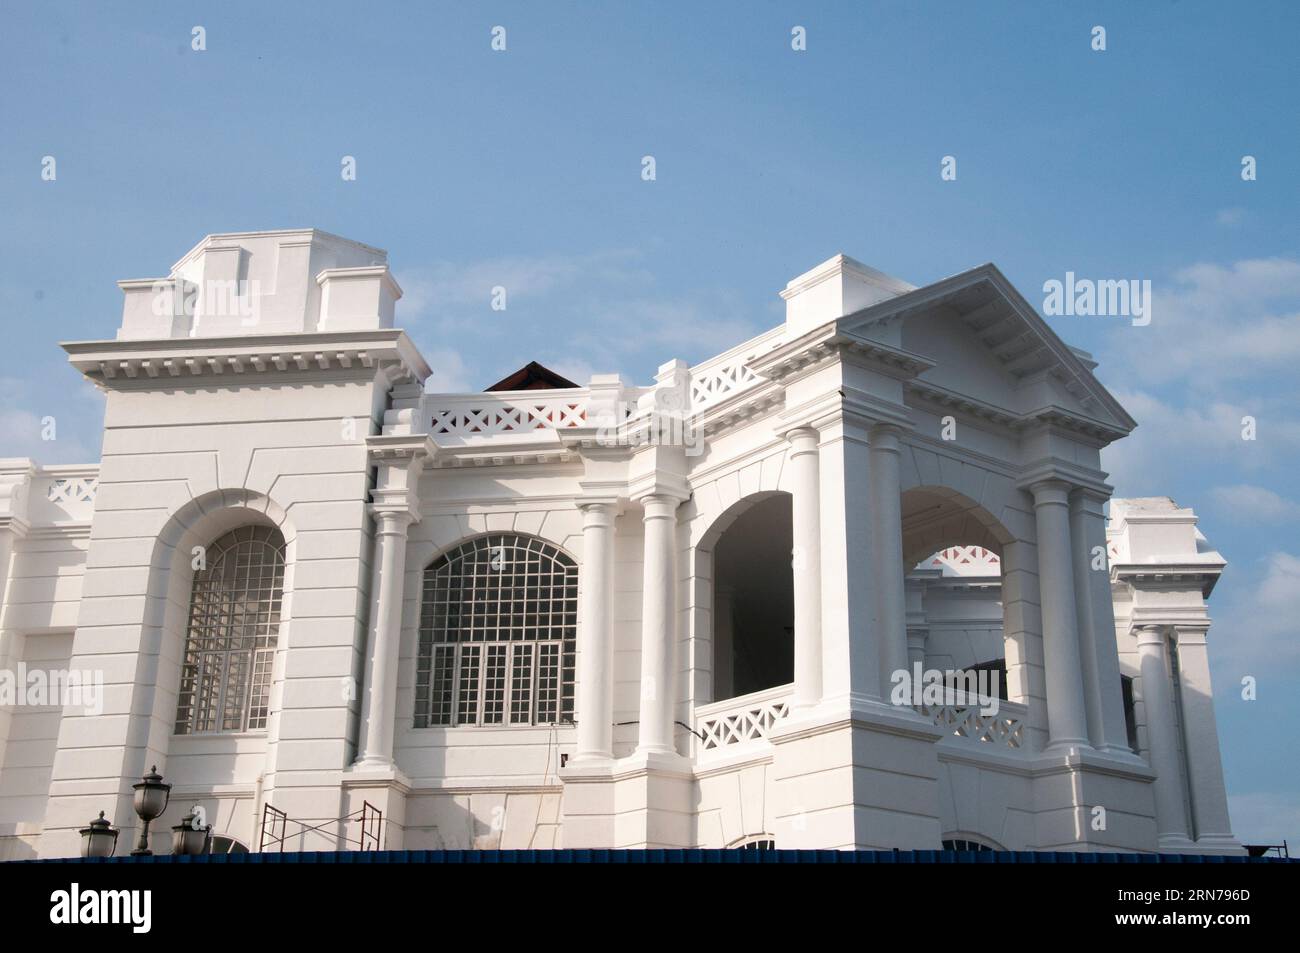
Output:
(953, 551)
(753, 589)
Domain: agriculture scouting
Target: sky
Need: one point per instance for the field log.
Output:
(523, 168)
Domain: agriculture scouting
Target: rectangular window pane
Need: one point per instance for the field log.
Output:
(468, 690)
(521, 684)
(548, 682)
(259, 706)
(494, 684)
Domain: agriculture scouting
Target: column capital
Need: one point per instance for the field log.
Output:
(1074, 478)
(594, 508)
(661, 495)
(1051, 492)
(802, 439)
(1091, 494)
(393, 518)
(1150, 633)
(887, 437)
(658, 506)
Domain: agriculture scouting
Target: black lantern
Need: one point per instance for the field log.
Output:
(189, 838)
(99, 839)
(151, 797)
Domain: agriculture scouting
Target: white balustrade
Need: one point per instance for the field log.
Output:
(718, 378)
(72, 490)
(523, 412)
(1005, 728)
(63, 494)
(737, 721)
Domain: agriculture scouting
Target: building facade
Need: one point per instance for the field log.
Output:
(338, 608)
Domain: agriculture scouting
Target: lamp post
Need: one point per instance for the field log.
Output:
(99, 838)
(188, 837)
(151, 797)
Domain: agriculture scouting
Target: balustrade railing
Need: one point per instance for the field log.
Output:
(1005, 728)
(718, 378)
(733, 722)
(506, 412)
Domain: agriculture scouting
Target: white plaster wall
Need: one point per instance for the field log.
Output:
(29, 752)
(498, 786)
(183, 464)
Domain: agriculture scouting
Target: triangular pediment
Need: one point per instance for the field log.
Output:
(991, 347)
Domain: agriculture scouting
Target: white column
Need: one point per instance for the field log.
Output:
(806, 566)
(887, 552)
(658, 624)
(1162, 739)
(1098, 652)
(850, 657)
(384, 637)
(596, 634)
(1201, 739)
(1066, 718)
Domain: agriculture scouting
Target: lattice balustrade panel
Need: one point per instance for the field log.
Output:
(509, 418)
(73, 490)
(715, 384)
(751, 723)
(967, 561)
(967, 721)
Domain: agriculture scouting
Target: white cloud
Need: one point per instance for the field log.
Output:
(1257, 631)
(450, 374)
(1171, 437)
(446, 288)
(1214, 324)
(23, 431)
(1247, 503)
(599, 311)
(1230, 217)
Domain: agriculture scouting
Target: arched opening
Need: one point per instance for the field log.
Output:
(964, 841)
(753, 598)
(234, 623)
(498, 629)
(956, 614)
(225, 844)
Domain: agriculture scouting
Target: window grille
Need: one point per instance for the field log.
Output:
(233, 627)
(498, 626)
(960, 843)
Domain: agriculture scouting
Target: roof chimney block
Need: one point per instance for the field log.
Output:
(250, 283)
(836, 287)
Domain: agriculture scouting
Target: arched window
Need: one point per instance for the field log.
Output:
(498, 622)
(967, 842)
(233, 627)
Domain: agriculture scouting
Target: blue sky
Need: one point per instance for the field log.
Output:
(477, 168)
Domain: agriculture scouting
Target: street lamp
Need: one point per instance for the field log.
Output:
(151, 797)
(99, 839)
(189, 838)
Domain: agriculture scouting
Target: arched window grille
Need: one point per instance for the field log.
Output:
(498, 624)
(966, 843)
(233, 627)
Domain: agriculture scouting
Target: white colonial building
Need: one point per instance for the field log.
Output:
(339, 609)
